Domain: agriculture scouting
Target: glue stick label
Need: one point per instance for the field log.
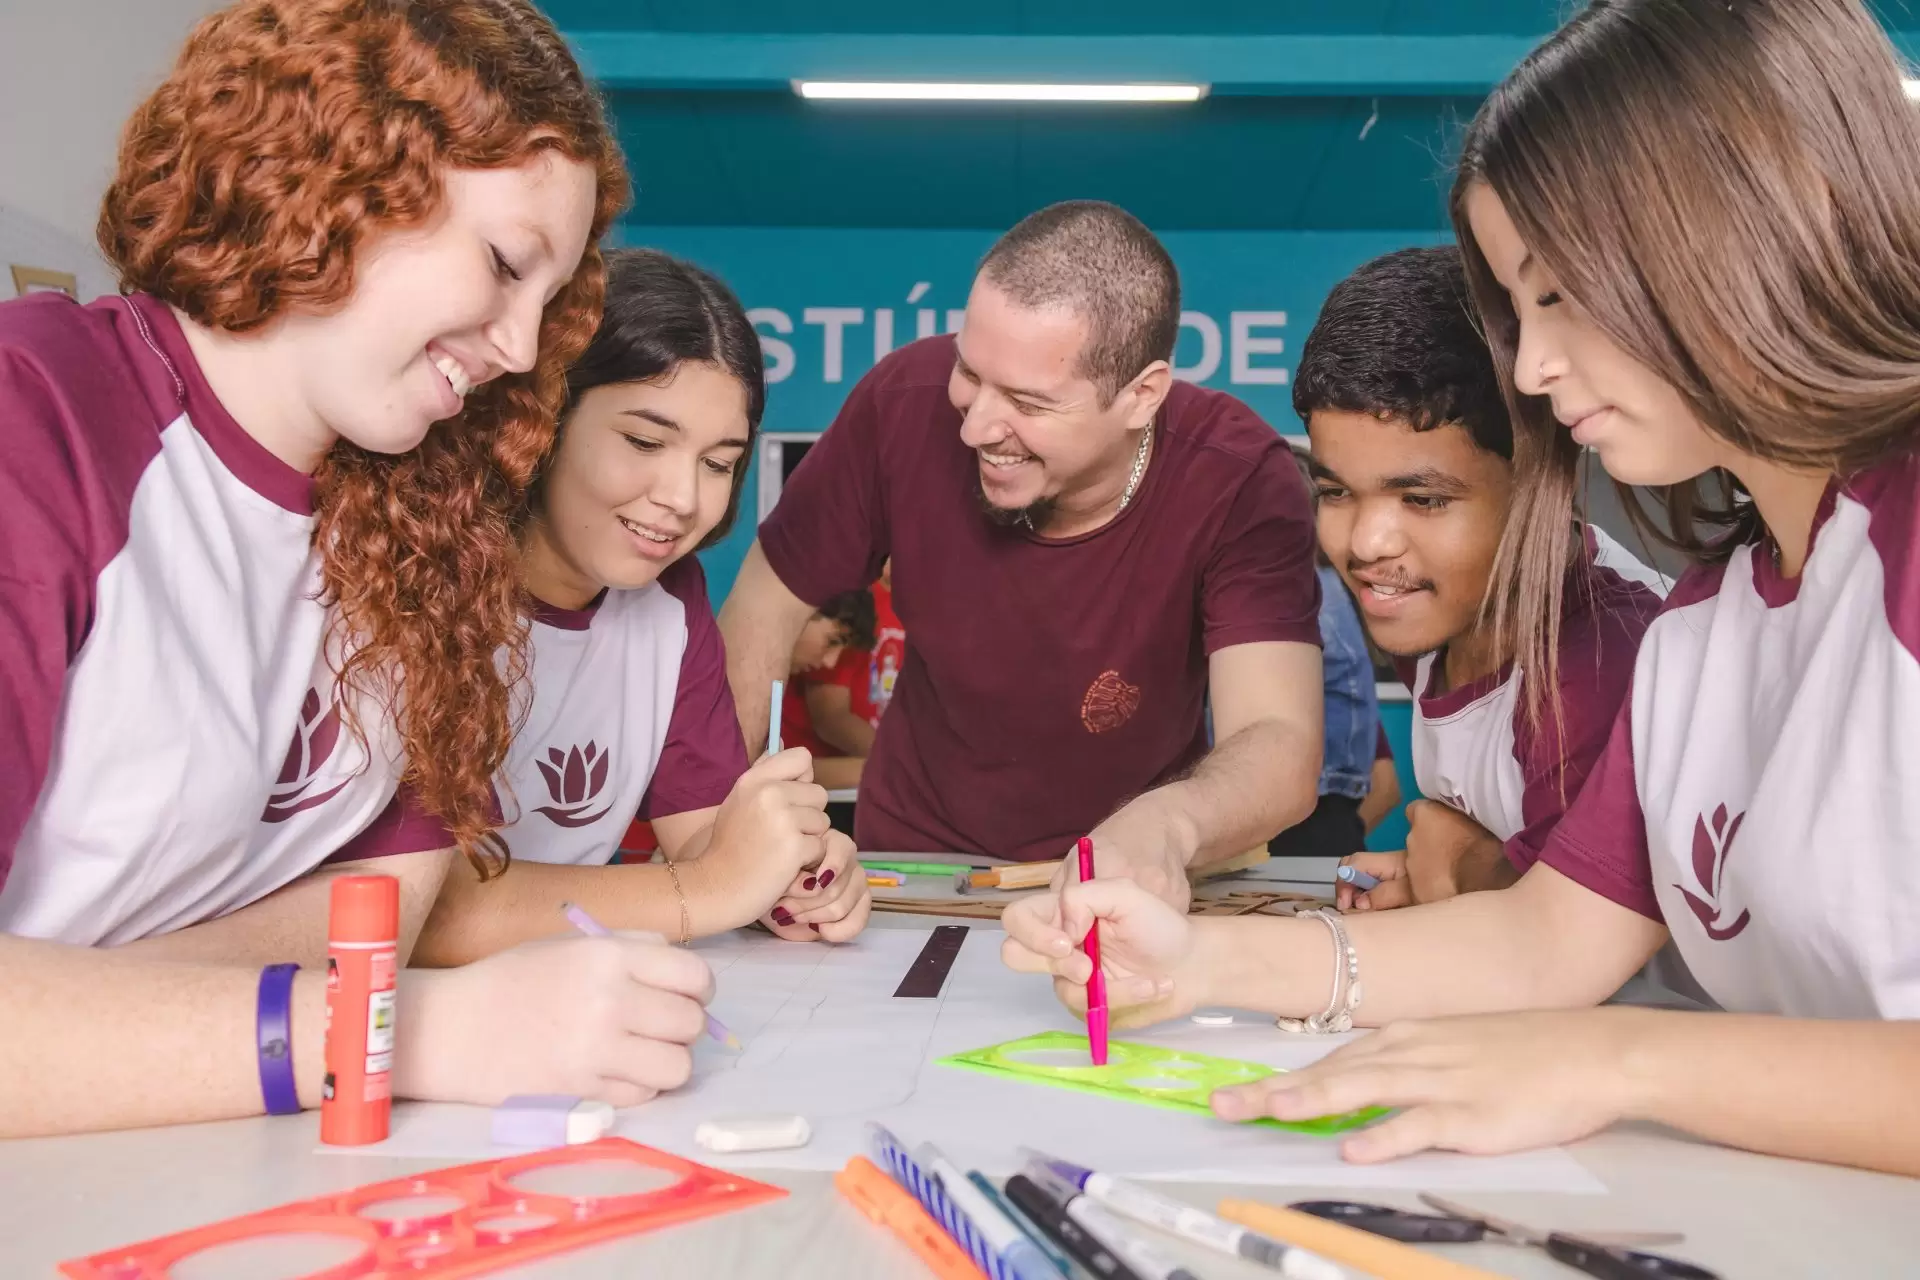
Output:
(379, 1028)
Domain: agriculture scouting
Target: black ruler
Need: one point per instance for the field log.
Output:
(929, 970)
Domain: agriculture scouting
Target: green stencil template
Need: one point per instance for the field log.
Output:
(1138, 1073)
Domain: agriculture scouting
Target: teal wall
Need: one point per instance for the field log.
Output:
(824, 300)
(1392, 831)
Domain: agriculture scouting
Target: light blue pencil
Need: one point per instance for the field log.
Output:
(773, 717)
(1357, 878)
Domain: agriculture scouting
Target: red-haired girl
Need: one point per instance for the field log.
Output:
(257, 517)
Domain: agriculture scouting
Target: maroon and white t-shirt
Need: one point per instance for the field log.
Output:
(1049, 680)
(160, 640)
(628, 714)
(1761, 790)
(1474, 747)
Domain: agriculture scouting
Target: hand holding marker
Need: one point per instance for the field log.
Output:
(1097, 982)
(1357, 878)
(586, 924)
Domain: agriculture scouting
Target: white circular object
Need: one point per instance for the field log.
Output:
(754, 1133)
(1212, 1018)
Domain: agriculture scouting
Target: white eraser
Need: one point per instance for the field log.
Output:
(754, 1133)
(1212, 1017)
(588, 1122)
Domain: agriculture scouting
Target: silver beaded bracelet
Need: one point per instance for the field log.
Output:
(1345, 998)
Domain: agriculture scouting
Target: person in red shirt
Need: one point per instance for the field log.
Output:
(1087, 548)
(843, 625)
(844, 702)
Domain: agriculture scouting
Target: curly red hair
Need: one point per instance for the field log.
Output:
(290, 133)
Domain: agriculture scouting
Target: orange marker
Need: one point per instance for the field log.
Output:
(1347, 1246)
(885, 1201)
(363, 931)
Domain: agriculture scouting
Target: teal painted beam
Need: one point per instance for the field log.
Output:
(1261, 65)
(1256, 65)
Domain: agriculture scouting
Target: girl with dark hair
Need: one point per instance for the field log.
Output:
(1693, 233)
(625, 709)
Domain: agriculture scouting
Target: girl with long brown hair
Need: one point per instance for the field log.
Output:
(1693, 229)
(258, 517)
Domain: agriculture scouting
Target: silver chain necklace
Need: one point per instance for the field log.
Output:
(1139, 467)
(1133, 478)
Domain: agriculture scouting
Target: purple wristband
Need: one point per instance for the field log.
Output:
(276, 1040)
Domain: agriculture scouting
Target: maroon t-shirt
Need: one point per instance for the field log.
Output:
(1049, 680)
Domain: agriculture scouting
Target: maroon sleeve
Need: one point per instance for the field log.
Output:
(1260, 582)
(1601, 842)
(704, 754)
(74, 439)
(1598, 648)
(829, 532)
(1383, 749)
(402, 827)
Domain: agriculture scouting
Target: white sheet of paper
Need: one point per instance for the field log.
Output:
(825, 1037)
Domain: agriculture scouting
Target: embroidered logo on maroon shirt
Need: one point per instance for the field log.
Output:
(314, 739)
(574, 781)
(1712, 845)
(1110, 703)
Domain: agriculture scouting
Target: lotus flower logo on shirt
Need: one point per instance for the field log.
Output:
(314, 739)
(575, 779)
(1110, 703)
(1712, 845)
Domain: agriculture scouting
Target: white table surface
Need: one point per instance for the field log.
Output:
(1746, 1216)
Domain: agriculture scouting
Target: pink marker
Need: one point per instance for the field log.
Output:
(1097, 984)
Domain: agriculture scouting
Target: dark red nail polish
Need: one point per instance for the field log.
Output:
(782, 916)
(814, 927)
(826, 878)
(810, 884)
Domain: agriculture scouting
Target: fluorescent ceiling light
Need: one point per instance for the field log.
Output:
(1913, 89)
(927, 91)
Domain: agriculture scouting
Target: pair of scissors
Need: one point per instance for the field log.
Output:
(1603, 1256)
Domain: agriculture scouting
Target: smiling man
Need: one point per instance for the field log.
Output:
(1084, 549)
(1412, 456)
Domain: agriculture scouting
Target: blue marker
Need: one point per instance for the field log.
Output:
(773, 717)
(1061, 1263)
(1357, 878)
(1001, 1248)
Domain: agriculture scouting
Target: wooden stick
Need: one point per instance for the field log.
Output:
(1023, 875)
(1349, 1246)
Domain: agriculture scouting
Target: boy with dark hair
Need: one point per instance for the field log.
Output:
(845, 701)
(1412, 460)
(844, 621)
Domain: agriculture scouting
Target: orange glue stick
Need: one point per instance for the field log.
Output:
(363, 933)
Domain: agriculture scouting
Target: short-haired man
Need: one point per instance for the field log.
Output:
(1085, 550)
